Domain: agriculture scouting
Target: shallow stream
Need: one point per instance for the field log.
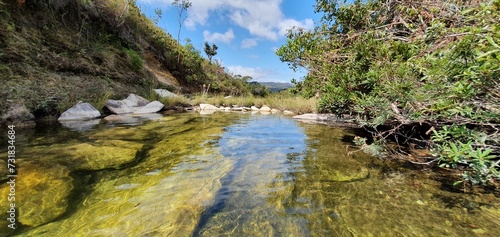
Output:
(226, 174)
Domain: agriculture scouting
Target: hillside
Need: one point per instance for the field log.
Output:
(56, 53)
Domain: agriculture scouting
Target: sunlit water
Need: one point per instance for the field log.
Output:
(227, 174)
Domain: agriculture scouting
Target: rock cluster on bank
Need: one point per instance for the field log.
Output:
(208, 109)
(133, 104)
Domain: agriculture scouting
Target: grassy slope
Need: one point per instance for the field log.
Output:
(56, 53)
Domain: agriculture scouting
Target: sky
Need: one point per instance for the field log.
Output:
(247, 32)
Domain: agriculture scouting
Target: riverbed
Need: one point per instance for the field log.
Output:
(227, 174)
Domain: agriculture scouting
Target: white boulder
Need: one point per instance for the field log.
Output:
(152, 107)
(81, 111)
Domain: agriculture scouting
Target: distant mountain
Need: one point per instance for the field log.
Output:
(276, 86)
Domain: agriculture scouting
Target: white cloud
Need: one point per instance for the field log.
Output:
(220, 37)
(248, 43)
(262, 18)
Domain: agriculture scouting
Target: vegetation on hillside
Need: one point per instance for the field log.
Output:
(424, 74)
(56, 53)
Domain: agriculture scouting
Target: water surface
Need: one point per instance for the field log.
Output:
(228, 174)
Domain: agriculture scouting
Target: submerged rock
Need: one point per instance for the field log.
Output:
(3, 172)
(41, 194)
(347, 174)
(98, 155)
(110, 154)
(81, 111)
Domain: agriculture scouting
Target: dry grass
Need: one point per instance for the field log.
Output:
(280, 101)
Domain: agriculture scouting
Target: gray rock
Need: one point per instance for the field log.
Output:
(274, 111)
(134, 100)
(152, 107)
(208, 107)
(164, 93)
(119, 107)
(81, 111)
(329, 119)
(265, 108)
(288, 112)
(320, 117)
(253, 108)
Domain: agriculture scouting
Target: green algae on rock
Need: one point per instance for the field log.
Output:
(41, 193)
(97, 157)
(101, 154)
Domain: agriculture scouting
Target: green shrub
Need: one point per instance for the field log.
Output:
(409, 66)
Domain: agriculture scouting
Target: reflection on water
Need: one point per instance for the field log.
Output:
(228, 174)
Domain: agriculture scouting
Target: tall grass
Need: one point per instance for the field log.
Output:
(101, 101)
(281, 101)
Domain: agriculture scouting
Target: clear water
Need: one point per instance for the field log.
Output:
(228, 174)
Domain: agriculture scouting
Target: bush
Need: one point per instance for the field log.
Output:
(403, 64)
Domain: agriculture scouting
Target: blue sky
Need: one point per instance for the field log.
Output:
(247, 32)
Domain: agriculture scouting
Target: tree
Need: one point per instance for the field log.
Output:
(210, 50)
(182, 6)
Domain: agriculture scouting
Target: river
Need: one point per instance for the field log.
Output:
(226, 174)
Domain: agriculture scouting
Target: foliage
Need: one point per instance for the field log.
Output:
(210, 51)
(98, 46)
(459, 146)
(135, 60)
(258, 89)
(397, 64)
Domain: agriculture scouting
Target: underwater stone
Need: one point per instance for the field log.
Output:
(41, 194)
(111, 154)
(348, 175)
